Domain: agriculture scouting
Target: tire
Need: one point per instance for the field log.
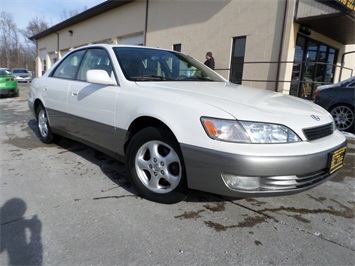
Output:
(155, 166)
(344, 117)
(44, 129)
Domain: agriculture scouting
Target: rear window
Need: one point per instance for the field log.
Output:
(347, 83)
(19, 71)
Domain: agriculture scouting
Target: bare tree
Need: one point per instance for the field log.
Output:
(66, 14)
(21, 52)
(8, 39)
(14, 50)
(35, 26)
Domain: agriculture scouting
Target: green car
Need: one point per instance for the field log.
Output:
(8, 84)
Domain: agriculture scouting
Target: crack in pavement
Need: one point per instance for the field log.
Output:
(319, 235)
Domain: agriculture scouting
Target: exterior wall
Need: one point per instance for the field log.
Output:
(110, 27)
(202, 26)
(349, 62)
(116, 23)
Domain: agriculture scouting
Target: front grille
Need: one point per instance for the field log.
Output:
(279, 183)
(318, 132)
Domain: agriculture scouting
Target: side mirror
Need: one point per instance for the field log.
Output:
(99, 76)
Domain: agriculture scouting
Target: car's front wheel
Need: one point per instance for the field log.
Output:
(344, 117)
(44, 129)
(155, 166)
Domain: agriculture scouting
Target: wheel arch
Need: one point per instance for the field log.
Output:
(37, 103)
(144, 122)
(333, 105)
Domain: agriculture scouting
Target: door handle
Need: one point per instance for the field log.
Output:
(74, 93)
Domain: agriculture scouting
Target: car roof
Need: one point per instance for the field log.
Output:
(338, 84)
(109, 46)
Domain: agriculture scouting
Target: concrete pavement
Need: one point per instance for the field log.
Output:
(67, 204)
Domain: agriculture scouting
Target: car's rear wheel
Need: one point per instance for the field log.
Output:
(344, 117)
(44, 129)
(155, 166)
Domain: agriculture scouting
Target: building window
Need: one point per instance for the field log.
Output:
(237, 61)
(177, 47)
(313, 65)
(44, 63)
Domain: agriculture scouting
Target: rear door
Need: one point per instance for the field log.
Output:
(55, 90)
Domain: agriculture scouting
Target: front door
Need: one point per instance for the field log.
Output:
(92, 106)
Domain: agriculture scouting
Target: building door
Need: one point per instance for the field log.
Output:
(133, 40)
(313, 65)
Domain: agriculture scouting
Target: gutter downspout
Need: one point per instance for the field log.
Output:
(146, 22)
(57, 45)
(281, 48)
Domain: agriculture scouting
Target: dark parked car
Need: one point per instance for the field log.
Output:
(339, 100)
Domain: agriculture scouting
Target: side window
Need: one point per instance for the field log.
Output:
(95, 58)
(70, 65)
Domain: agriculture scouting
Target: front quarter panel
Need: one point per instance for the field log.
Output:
(182, 115)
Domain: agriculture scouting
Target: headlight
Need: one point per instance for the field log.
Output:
(247, 132)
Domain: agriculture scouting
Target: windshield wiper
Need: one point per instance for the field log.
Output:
(149, 78)
(195, 78)
(204, 78)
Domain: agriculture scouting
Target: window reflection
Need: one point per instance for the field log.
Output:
(313, 66)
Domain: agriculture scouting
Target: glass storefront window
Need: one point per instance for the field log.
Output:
(313, 66)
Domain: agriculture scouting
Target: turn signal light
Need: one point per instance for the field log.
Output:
(210, 128)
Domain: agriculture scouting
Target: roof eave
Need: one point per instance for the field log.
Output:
(87, 14)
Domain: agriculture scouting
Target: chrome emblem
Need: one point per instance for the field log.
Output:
(315, 117)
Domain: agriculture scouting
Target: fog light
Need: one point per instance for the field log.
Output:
(241, 182)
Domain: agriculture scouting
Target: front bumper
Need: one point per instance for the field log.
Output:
(278, 175)
(31, 106)
(24, 79)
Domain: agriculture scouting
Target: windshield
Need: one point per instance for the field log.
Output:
(348, 82)
(19, 71)
(159, 65)
(4, 73)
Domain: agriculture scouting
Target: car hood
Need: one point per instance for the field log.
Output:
(246, 103)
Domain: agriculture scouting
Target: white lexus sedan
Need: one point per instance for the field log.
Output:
(178, 125)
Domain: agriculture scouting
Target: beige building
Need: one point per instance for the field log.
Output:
(290, 46)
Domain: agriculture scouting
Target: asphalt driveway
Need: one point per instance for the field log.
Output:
(67, 204)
